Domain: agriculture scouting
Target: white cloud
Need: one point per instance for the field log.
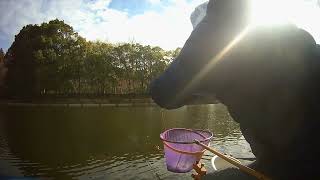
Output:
(168, 28)
(95, 21)
(154, 1)
(99, 4)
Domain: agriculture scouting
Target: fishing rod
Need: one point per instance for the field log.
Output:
(241, 158)
(234, 162)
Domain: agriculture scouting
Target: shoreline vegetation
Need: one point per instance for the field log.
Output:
(50, 64)
(52, 59)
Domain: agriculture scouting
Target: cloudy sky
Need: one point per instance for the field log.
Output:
(165, 23)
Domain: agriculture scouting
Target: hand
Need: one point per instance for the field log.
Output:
(200, 171)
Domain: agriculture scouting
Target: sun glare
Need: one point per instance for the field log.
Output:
(211, 64)
(265, 13)
(273, 12)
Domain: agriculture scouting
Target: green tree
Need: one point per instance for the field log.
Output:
(122, 56)
(59, 60)
(155, 62)
(20, 62)
(3, 72)
(100, 72)
(138, 65)
(44, 59)
(52, 58)
(1, 55)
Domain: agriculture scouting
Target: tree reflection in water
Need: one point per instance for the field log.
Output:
(109, 142)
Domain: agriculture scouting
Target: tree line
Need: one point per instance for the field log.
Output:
(52, 59)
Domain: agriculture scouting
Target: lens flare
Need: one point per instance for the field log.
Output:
(275, 12)
(265, 13)
(212, 63)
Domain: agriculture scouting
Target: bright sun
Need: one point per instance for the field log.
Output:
(303, 13)
(273, 12)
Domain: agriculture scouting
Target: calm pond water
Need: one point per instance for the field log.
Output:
(105, 142)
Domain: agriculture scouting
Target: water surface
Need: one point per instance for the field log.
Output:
(104, 142)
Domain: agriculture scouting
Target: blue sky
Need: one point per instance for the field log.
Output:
(164, 23)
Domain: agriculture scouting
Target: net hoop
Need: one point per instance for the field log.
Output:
(190, 130)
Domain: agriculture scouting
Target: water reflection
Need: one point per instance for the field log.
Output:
(213, 117)
(107, 143)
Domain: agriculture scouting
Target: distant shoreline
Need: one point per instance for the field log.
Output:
(110, 101)
(96, 101)
(76, 105)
